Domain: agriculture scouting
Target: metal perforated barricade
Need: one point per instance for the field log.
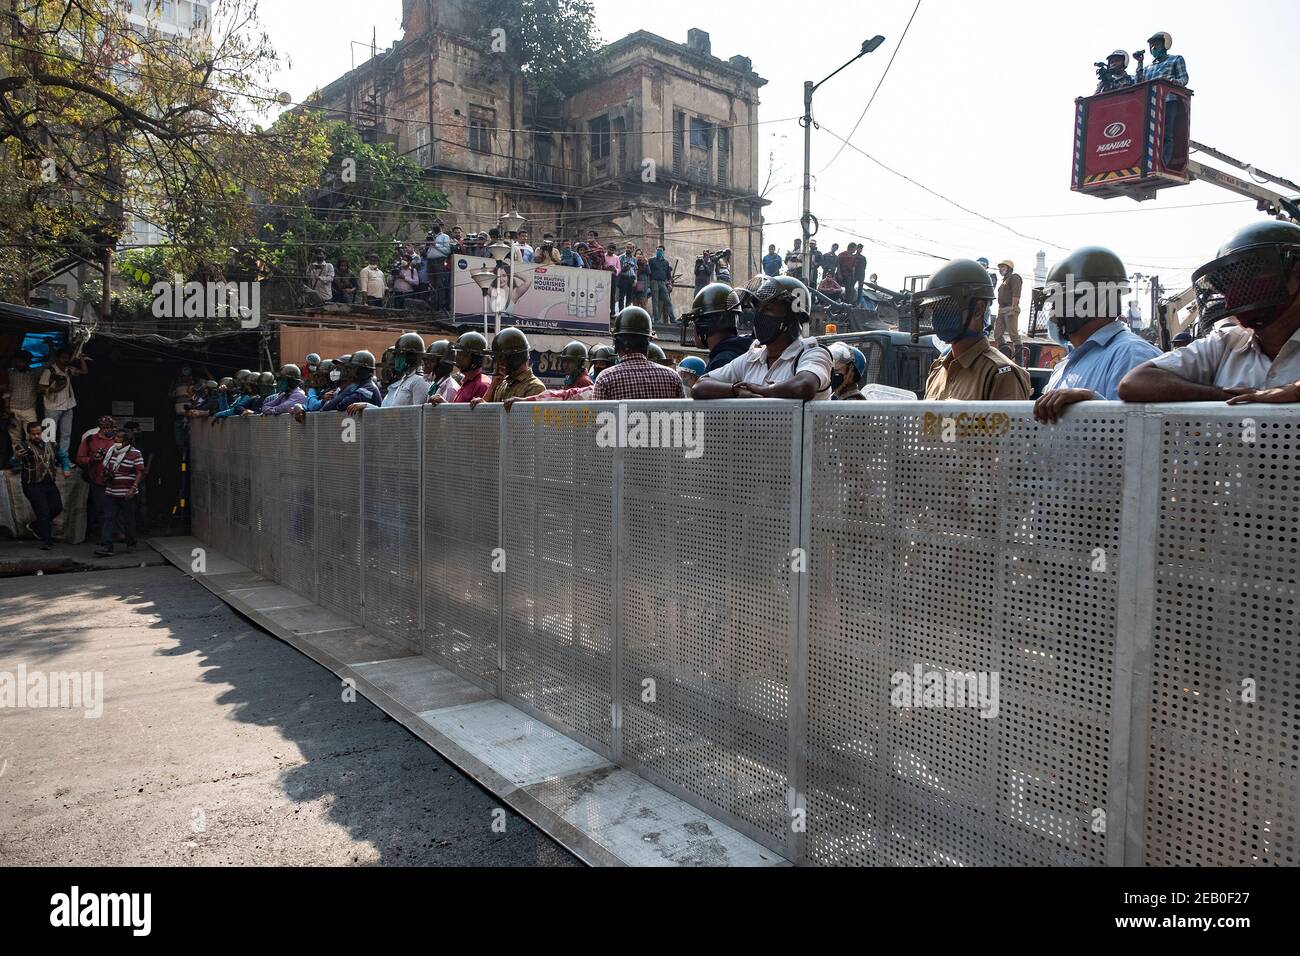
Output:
(708, 533)
(964, 621)
(461, 525)
(243, 510)
(873, 634)
(390, 520)
(336, 439)
(557, 533)
(1218, 769)
(296, 496)
(199, 473)
(268, 441)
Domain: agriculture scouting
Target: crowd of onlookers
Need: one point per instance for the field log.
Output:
(839, 276)
(39, 405)
(424, 274)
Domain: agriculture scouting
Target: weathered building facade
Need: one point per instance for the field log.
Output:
(658, 145)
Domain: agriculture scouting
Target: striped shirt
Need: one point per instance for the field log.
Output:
(122, 463)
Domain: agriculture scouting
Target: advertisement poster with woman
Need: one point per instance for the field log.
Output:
(540, 296)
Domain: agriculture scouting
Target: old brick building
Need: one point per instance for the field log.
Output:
(658, 145)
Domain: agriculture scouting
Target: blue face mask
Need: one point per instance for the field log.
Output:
(1055, 333)
(1159, 52)
(399, 363)
(659, 253)
(947, 322)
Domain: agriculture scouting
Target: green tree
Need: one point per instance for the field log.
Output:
(100, 120)
(368, 199)
(552, 42)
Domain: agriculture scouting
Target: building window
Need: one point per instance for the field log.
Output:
(679, 133)
(699, 162)
(701, 134)
(599, 138)
(724, 156)
(481, 123)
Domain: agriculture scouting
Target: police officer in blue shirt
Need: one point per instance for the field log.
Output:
(1085, 299)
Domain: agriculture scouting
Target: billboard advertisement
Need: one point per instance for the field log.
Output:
(539, 296)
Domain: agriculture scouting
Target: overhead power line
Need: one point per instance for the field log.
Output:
(877, 89)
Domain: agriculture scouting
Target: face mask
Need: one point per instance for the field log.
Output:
(837, 381)
(1057, 334)
(767, 328)
(399, 363)
(948, 324)
(335, 375)
(659, 253)
(1159, 52)
(282, 385)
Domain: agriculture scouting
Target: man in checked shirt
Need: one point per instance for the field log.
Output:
(1171, 69)
(635, 376)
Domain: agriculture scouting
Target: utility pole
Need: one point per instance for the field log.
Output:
(807, 219)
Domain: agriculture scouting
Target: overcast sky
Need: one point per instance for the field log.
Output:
(979, 106)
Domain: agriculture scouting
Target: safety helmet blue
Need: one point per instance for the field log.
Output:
(693, 364)
(859, 361)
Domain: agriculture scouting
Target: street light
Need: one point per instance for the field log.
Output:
(512, 222)
(809, 88)
(484, 278)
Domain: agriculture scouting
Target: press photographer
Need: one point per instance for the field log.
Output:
(1113, 74)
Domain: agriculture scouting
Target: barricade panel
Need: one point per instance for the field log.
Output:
(268, 441)
(390, 509)
(462, 593)
(708, 529)
(337, 443)
(1224, 731)
(239, 453)
(557, 513)
(961, 633)
(199, 473)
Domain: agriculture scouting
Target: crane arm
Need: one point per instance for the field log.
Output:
(1268, 200)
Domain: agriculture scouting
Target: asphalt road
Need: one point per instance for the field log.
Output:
(217, 745)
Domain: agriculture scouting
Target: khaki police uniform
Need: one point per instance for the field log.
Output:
(1007, 322)
(523, 387)
(980, 374)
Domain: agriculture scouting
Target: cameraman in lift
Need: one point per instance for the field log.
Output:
(1113, 74)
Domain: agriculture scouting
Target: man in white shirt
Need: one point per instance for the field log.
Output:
(55, 387)
(412, 388)
(1255, 280)
(320, 276)
(526, 253)
(1134, 316)
(372, 281)
(783, 363)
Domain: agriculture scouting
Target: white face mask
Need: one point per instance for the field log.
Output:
(335, 375)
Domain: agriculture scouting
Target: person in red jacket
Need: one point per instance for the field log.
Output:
(90, 456)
